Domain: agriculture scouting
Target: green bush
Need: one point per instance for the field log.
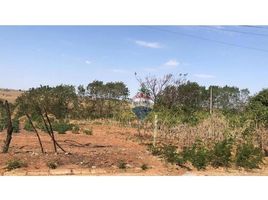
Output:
(198, 155)
(52, 165)
(15, 164)
(16, 125)
(221, 154)
(122, 164)
(249, 156)
(61, 127)
(156, 151)
(144, 167)
(28, 126)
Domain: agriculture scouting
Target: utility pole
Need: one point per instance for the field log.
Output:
(211, 98)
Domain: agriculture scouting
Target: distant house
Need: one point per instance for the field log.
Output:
(141, 99)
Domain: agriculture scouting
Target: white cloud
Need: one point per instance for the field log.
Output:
(172, 63)
(88, 62)
(154, 45)
(204, 76)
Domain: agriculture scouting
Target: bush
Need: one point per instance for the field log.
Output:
(28, 126)
(144, 167)
(16, 125)
(156, 151)
(122, 164)
(88, 131)
(75, 129)
(170, 153)
(52, 165)
(249, 156)
(221, 154)
(61, 127)
(198, 155)
(15, 164)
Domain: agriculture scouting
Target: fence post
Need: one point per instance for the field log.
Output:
(155, 130)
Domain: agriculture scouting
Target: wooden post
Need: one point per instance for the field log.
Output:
(155, 130)
(36, 132)
(9, 129)
(211, 99)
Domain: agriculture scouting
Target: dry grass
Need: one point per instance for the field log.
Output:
(9, 95)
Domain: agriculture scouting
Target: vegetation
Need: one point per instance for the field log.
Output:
(15, 164)
(122, 164)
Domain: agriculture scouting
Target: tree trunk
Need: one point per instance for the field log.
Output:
(9, 129)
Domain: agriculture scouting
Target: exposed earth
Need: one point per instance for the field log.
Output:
(99, 154)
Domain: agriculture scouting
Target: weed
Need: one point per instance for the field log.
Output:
(15, 164)
(88, 131)
(144, 167)
(52, 165)
(122, 164)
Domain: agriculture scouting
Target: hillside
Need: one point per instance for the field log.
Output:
(9, 94)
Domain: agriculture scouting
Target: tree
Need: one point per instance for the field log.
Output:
(156, 85)
(81, 91)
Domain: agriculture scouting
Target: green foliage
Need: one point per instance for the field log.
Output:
(61, 127)
(144, 167)
(249, 156)
(59, 101)
(170, 153)
(156, 151)
(221, 154)
(28, 126)
(15, 164)
(198, 155)
(16, 125)
(122, 164)
(52, 164)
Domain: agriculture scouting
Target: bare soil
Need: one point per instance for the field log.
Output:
(105, 149)
(97, 154)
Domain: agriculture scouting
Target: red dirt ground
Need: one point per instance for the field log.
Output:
(97, 154)
(103, 150)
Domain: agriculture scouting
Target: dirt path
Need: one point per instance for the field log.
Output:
(97, 154)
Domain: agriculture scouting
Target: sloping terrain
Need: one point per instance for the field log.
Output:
(9, 95)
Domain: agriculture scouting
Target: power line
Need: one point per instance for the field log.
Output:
(250, 26)
(235, 31)
(206, 39)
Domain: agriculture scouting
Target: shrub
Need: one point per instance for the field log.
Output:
(249, 156)
(122, 164)
(15, 164)
(88, 131)
(75, 129)
(198, 155)
(61, 127)
(170, 153)
(28, 126)
(221, 154)
(52, 165)
(156, 151)
(16, 125)
(144, 167)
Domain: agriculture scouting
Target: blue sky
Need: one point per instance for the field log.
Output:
(34, 55)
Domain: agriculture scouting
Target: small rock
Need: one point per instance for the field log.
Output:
(93, 167)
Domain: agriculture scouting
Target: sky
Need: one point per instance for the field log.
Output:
(50, 55)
